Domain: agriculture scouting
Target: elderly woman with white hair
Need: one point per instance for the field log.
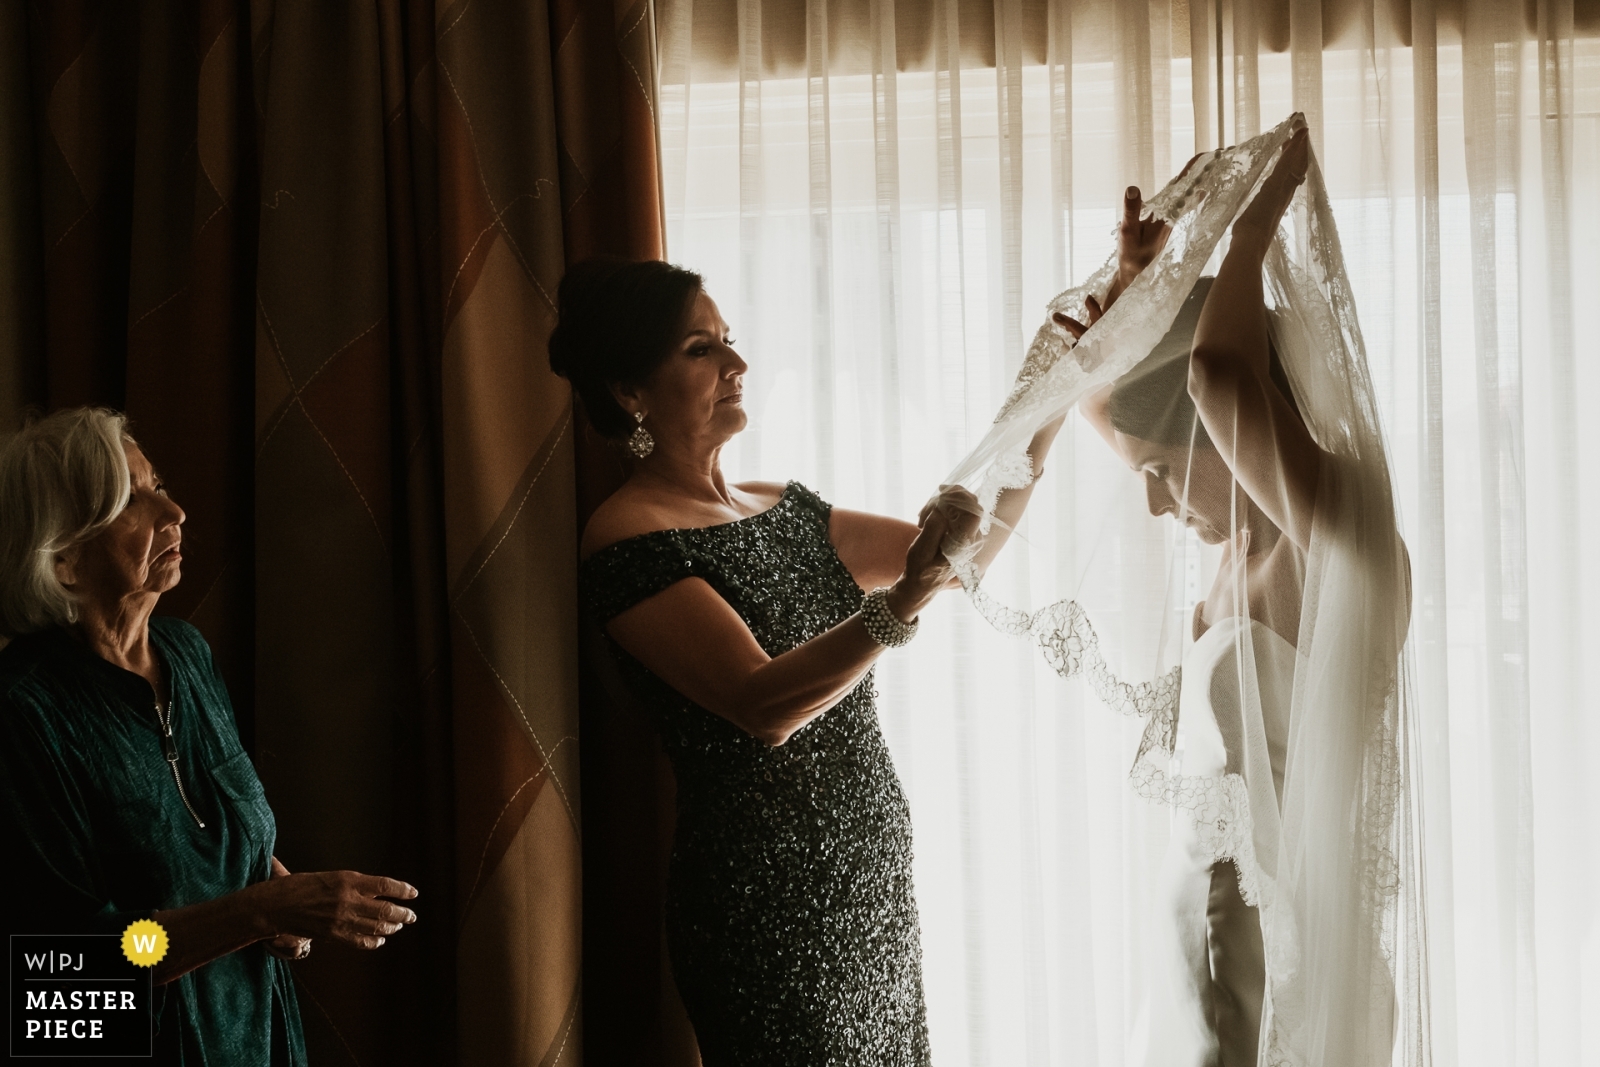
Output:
(124, 790)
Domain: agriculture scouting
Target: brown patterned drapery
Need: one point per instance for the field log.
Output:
(312, 247)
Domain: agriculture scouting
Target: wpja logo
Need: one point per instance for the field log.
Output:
(144, 942)
(84, 995)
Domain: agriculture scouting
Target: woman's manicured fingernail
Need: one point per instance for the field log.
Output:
(1133, 192)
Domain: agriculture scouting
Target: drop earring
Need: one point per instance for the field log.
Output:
(641, 443)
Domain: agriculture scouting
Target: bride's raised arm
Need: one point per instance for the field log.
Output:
(1247, 415)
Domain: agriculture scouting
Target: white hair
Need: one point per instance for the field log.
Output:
(63, 479)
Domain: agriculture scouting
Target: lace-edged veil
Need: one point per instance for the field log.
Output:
(1324, 832)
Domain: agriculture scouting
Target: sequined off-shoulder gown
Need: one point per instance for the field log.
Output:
(790, 918)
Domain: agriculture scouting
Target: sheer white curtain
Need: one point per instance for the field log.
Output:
(882, 195)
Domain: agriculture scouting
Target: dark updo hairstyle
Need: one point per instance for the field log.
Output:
(617, 321)
(1151, 402)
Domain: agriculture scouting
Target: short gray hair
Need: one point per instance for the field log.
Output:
(63, 479)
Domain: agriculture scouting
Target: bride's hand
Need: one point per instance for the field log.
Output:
(1139, 242)
(1073, 326)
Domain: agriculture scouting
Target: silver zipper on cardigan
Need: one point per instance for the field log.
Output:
(169, 749)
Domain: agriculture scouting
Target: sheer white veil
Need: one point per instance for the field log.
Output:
(1331, 856)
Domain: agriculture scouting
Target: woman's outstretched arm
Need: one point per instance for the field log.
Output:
(1258, 434)
(692, 639)
(874, 546)
(343, 905)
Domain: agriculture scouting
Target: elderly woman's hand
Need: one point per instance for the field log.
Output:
(345, 905)
(286, 911)
(287, 946)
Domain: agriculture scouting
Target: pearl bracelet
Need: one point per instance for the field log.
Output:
(882, 624)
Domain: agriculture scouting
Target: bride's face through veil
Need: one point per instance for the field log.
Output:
(1193, 486)
(1150, 422)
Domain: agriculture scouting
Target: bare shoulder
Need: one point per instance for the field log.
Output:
(764, 494)
(624, 514)
(633, 511)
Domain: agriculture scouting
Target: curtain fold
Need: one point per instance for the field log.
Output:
(607, 131)
(1429, 620)
(21, 242)
(313, 249)
(127, 206)
(976, 152)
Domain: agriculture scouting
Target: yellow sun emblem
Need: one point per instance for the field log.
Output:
(144, 942)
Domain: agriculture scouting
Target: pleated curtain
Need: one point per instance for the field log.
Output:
(882, 194)
(312, 248)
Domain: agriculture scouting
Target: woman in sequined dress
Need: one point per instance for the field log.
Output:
(736, 614)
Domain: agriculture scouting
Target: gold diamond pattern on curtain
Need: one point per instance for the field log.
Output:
(125, 212)
(348, 722)
(314, 249)
(511, 538)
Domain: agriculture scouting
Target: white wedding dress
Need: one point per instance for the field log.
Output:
(1233, 719)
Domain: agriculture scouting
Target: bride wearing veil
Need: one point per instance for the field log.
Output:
(1227, 384)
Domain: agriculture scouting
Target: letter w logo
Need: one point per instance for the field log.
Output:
(144, 942)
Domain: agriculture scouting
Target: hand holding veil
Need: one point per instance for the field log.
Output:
(1242, 403)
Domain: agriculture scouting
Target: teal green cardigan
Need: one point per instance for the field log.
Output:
(96, 833)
